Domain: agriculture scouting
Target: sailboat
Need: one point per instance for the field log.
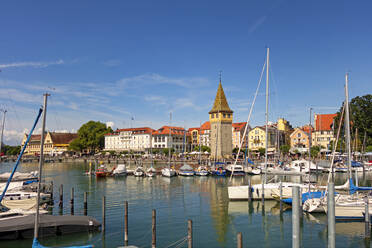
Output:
(168, 171)
(264, 190)
(151, 172)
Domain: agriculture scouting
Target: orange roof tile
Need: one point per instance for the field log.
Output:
(206, 125)
(324, 122)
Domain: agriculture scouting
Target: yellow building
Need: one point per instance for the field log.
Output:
(54, 143)
(257, 138)
(283, 125)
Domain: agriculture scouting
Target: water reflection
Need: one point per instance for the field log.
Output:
(202, 199)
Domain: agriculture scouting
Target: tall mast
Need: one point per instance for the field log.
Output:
(347, 123)
(169, 137)
(2, 129)
(267, 108)
(200, 130)
(310, 139)
(41, 162)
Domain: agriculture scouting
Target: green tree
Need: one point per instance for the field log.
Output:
(206, 149)
(235, 150)
(314, 151)
(360, 118)
(369, 148)
(284, 149)
(90, 136)
(10, 150)
(261, 151)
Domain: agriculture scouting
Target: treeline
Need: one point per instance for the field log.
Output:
(10, 150)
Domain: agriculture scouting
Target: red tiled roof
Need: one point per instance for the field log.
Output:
(324, 122)
(206, 125)
(164, 130)
(306, 129)
(193, 128)
(63, 138)
(239, 126)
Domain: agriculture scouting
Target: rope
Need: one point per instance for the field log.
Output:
(248, 119)
(178, 241)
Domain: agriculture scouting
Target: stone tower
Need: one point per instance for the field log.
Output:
(221, 117)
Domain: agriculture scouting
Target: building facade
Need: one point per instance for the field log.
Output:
(221, 117)
(323, 132)
(300, 139)
(54, 143)
(257, 138)
(129, 139)
(166, 137)
(237, 134)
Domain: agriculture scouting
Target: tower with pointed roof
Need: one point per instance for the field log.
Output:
(221, 117)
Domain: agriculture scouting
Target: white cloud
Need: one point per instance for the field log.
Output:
(13, 137)
(110, 124)
(32, 64)
(154, 79)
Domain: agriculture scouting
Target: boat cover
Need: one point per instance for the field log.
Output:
(186, 167)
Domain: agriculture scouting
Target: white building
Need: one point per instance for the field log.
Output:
(162, 139)
(135, 139)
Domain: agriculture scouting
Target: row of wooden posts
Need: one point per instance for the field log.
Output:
(296, 216)
(103, 227)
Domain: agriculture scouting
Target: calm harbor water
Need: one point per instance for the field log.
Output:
(216, 221)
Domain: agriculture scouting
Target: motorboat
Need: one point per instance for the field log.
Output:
(139, 172)
(202, 171)
(235, 170)
(303, 166)
(186, 170)
(102, 171)
(151, 172)
(168, 172)
(120, 170)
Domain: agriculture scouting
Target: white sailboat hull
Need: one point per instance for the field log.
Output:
(270, 191)
(166, 172)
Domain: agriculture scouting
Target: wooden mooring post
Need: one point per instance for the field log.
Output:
(126, 222)
(189, 233)
(249, 190)
(61, 196)
(367, 219)
(239, 240)
(153, 240)
(331, 215)
(281, 197)
(296, 217)
(51, 193)
(85, 203)
(104, 214)
(72, 201)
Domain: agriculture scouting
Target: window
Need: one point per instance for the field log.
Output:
(212, 116)
(299, 135)
(224, 115)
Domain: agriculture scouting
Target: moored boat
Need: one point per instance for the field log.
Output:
(202, 171)
(102, 171)
(120, 170)
(186, 170)
(139, 172)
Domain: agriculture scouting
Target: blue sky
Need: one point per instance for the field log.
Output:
(113, 60)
